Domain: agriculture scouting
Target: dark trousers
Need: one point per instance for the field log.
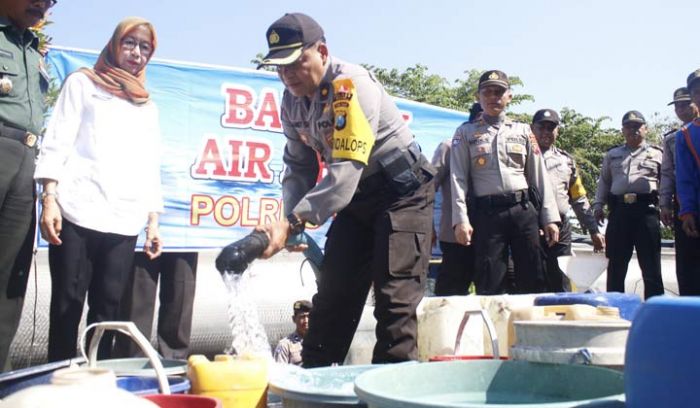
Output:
(379, 240)
(555, 279)
(17, 220)
(496, 230)
(177, 272)
(92, 262)
(456, 269)
(634, 226)
(687, 261)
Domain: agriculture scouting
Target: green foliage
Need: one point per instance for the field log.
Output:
(44, 44)
(417, 84)
(258, 59)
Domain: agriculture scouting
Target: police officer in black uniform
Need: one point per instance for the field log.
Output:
(23, 82)
(629, 185)
(377, 182)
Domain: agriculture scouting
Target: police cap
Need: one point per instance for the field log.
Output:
(546, 115)
(288, 36)
(693, 78)
(680, 95)
(633, 117)
(302, 306)
(494, 77)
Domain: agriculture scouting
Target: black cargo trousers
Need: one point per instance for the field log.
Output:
(380, 239)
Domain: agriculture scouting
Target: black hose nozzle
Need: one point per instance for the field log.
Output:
(235, 257)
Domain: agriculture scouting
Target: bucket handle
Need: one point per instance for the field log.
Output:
(489, 326)
(129, 329)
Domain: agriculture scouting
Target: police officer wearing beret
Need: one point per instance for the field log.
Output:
(378, 184)
(288, 350)
(23, 82)
(629, 184)
(569, 193)
(688, 184)
(497, 163)
(687, 259)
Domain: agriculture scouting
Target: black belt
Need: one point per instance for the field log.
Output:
(635, 198)
(378, 180)
(21, 135)
(503, 200)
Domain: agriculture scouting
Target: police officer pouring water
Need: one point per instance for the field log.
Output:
(628, 184)
(377, 182)
(569, 193)
(687, 257)
(497, 163)
(23, 82)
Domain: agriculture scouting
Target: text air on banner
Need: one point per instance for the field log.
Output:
(223, 144)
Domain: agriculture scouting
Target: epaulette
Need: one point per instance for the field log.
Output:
(670, 132)
(657, 147)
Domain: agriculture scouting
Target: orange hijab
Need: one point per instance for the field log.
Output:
(108, 76)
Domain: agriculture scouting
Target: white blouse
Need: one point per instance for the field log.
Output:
(105, 154)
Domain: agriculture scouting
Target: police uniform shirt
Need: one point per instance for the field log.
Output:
(567, 186)
(667, 187)
(309, 125)
(288, 350)
(22, 64)
(497, 159)
(441, 162)
(628, 171)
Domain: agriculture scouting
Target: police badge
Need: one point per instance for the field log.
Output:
(5, 85)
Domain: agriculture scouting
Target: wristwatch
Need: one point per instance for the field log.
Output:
(296, 225)
(45, 194)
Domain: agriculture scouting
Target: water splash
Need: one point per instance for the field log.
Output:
(249, 336)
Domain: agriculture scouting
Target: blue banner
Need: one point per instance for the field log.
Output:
(223, 144)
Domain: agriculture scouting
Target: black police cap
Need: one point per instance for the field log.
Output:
(633, 117)
(288, 36)
(546, 115)
(301, 306)
(680, 95)
(693, 78)
(494, 77)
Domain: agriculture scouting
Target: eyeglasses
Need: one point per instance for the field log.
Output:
(47, 3)
(130, 44)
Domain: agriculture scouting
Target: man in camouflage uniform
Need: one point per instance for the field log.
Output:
(377, 182)
(629, 184)
(23, 82)
(569, 193)
(497, 164)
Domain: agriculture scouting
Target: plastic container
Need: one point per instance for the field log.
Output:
(560, 312)
(238, 382)
(149, 385)
(79, 387)
(183, 401)
(493, 338)
(661, 366)
(627, 303)
(16, 380)
(439, 321)
(327, 387)
(489, 383)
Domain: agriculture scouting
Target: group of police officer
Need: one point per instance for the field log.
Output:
(510, 189)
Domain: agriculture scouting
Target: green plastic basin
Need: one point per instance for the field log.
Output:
(490, 383)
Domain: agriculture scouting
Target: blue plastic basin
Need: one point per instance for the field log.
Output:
(149, 385)
(626, 303)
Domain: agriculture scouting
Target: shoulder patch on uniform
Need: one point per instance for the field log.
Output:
(670, 132)
(353, 138)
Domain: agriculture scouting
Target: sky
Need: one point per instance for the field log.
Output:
(599, 57)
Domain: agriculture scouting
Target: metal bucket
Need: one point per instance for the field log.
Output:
(490, 383)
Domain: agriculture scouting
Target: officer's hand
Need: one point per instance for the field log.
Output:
(463, 233)
(599, 216)
(277, 233)
(551, 234)
(690, 226)
(598, 242)
(667, 216)
(153, 246)
(51, 222)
